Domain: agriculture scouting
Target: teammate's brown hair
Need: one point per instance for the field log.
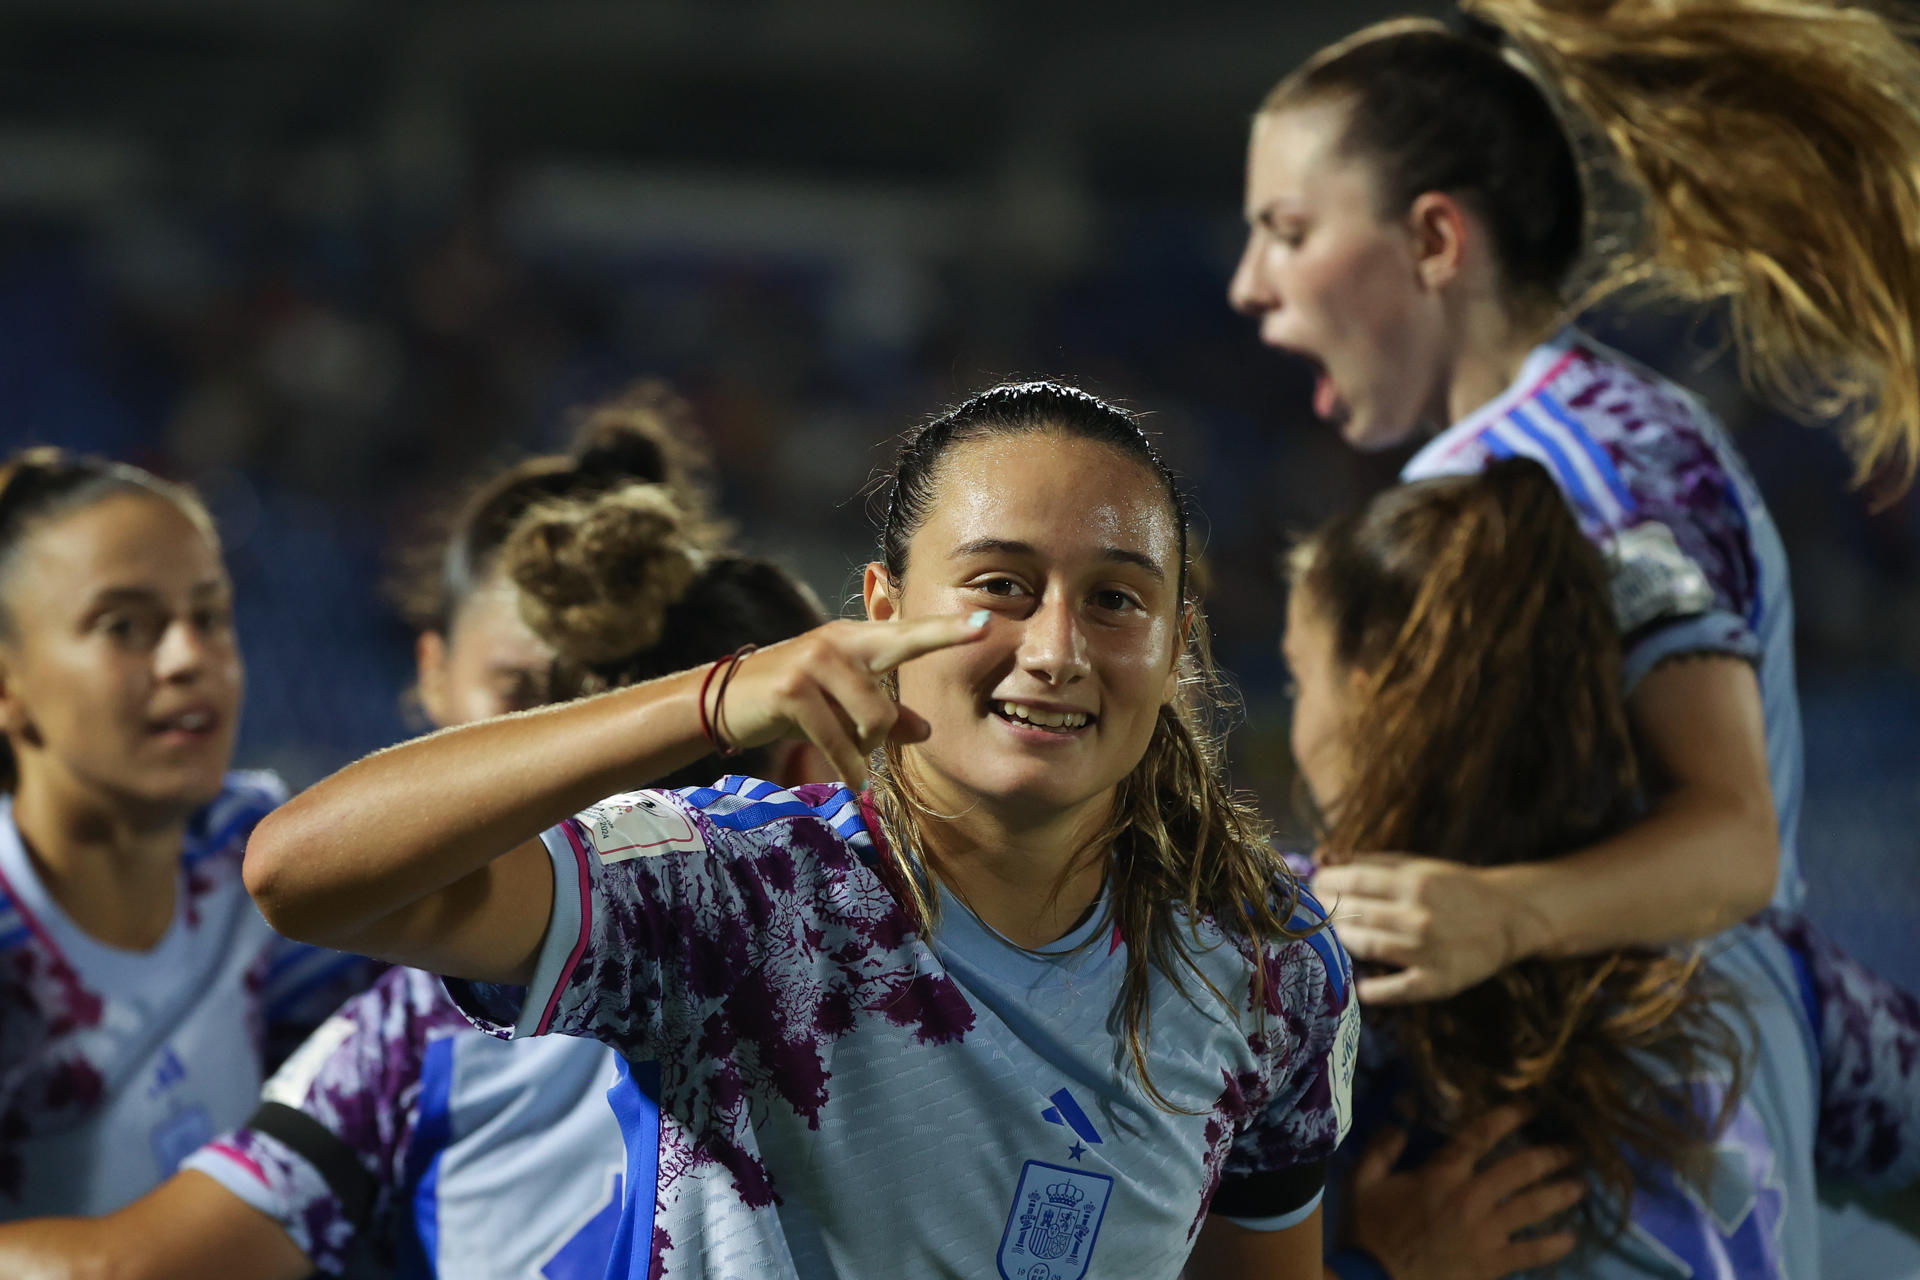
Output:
(1491, 729)
(646, 435)
(1775, 145)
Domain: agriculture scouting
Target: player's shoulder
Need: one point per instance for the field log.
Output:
(1309, 955)
(733, 808)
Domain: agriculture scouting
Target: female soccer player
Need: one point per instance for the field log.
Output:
(142, 994)
(1041, 997)
(1418, 214)
(1459, 691)
(390, 1135)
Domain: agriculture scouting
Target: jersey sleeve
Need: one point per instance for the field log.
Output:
(325, 1156)
(1275, 1172)
(661, 901)
(302, 988)
(1667, 602)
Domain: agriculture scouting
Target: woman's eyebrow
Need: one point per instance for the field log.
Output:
(1011, 547)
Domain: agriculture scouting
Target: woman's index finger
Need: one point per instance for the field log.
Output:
(894, 643)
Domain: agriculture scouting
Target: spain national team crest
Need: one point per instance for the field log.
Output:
(1054, 1222)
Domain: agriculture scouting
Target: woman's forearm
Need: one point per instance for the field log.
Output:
(1702, 859)
(404, 823)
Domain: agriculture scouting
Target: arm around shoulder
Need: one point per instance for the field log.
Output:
(1705, 855)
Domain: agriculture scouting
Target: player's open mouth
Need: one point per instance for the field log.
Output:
(1027, 715)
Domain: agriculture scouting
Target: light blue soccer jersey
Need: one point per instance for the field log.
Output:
(1656, 484)
(1756, 1216)
(399, 1134)
(115, 1065)
(840, 1096)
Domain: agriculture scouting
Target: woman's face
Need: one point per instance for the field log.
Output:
(492, 663)
(121, 679)
(1325, 701)
(1073, 548)
(1329, 280)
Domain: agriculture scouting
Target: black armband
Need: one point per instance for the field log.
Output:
(322, 1148)
(1270, 1195)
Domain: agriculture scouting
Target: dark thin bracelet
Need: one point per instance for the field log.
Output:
(719, 698)
(706, 725)
(1352, 1263)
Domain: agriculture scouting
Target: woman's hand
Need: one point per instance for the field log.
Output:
(1444, 925)
(827, 686)
(1452, 1220)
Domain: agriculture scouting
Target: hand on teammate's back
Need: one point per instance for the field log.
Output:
(1443, 926)
(1452, 1219)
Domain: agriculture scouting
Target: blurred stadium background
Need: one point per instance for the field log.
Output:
(328, 259)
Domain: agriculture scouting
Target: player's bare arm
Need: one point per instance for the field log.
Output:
(186, 1228)
(1705, 856)
(428, 853)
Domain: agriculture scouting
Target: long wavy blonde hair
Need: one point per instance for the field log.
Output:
(1773, 146)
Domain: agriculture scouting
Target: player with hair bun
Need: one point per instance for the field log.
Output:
(388, 1138)
(1042, 1003)
(1421, 223)
(142, 997)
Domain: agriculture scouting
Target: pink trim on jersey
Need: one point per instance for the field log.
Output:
(1485, 417)
(242, 1159)
(580, 855)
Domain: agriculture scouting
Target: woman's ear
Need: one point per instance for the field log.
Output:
(430, 676)
(1441, 230)
(877, 590)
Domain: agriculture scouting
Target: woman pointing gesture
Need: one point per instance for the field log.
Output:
(1042, 992)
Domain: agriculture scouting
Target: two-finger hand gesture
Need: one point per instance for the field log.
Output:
(827, 686)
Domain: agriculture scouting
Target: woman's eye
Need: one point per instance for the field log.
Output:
(999, 587)
(1114, 600)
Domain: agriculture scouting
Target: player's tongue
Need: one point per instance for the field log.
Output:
(1327, 404)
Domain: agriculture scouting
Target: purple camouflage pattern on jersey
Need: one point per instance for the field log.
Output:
(1869, 1036)
(741, 981)
(1661, 464)
(1303, 1011)
(47, 1083)
(366, 1091)
(737, 970)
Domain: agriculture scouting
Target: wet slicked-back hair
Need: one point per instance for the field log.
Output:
(1180, 843)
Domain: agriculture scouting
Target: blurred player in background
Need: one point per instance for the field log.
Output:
(1418, 215)
(1459, 676)
(142, 997)
(1000, 1016)
(399, 1135)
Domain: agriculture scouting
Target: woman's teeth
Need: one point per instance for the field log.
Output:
(1043, 719)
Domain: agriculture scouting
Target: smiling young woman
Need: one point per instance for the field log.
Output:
(824, 988)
